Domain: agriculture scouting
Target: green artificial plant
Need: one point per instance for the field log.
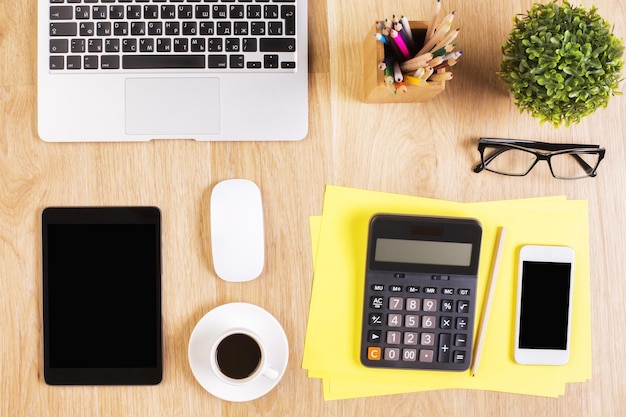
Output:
(561, 63)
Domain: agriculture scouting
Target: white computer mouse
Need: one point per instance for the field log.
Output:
(237, 232)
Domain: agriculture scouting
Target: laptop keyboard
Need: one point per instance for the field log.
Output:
(213, 35)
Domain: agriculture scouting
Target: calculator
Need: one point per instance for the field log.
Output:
(420, 292)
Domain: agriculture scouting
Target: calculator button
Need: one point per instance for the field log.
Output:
(429, 304)
(373, 335)
(430, 290)
(373, 353)
(409, 355)
(444, 348)
(394, 320)
(411, 321)
(376, 302)
(376, 319)
(426, 355)
(392, 354)
(412, 304)
(410, 338)
(460, 340)
(394, 338)
(427, 339)
(396, 303)
(459, 357)
(429, 322)
(461, 323)
(418, 321)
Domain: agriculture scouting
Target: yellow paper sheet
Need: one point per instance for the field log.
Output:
(335, 389)
(336, 302)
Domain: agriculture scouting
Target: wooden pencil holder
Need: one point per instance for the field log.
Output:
(374, 88)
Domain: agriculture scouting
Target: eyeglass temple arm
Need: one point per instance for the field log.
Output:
(588, 168)
(546, 146)
(490, 158)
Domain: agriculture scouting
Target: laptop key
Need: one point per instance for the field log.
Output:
(90, 62)
(236, 61)
(61, 12)
(110, 62)
(162, 61)
(58, 46)
(57, 62)
(270, 61)
(63, 29)
(74, 62)
(277, 44)
(217, 61)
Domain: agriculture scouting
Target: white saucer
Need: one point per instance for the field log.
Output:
(221, 320)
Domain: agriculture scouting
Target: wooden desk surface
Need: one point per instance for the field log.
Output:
(419, 149)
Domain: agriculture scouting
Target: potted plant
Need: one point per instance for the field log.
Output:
(561, 63)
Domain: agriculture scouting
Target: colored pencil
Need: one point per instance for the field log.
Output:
(441, 76)
(433, 22)
(448, 38)
(399, 41)
(444, 50)
(414, 80)
(407, 28)
(417, 62)
(397, 73)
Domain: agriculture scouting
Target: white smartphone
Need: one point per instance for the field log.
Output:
(545, 284)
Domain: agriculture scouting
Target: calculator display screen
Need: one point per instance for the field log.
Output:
(423, 244)
(423, 252)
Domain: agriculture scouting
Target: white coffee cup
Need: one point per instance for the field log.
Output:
(239, 357)
(267, 352)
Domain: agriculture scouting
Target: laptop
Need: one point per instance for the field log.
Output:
(137, 70)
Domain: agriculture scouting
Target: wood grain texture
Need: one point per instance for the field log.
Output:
(423, 149)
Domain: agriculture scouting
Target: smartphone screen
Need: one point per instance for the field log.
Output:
(544, 308)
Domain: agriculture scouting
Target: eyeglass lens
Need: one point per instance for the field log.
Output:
(573, 165)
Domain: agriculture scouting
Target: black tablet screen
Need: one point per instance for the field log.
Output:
(102, 295)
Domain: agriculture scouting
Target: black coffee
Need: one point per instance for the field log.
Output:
(238, 356)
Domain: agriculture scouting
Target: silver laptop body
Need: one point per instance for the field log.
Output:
(136, 70)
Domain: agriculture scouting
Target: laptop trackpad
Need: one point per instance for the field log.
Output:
(172, 106)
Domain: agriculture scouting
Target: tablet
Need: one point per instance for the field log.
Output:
(102, 295)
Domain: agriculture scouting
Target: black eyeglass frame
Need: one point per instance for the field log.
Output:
(549, 150)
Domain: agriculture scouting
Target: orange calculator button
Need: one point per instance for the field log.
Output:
(373, 353)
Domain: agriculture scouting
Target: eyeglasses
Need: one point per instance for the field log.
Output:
(518, 157)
